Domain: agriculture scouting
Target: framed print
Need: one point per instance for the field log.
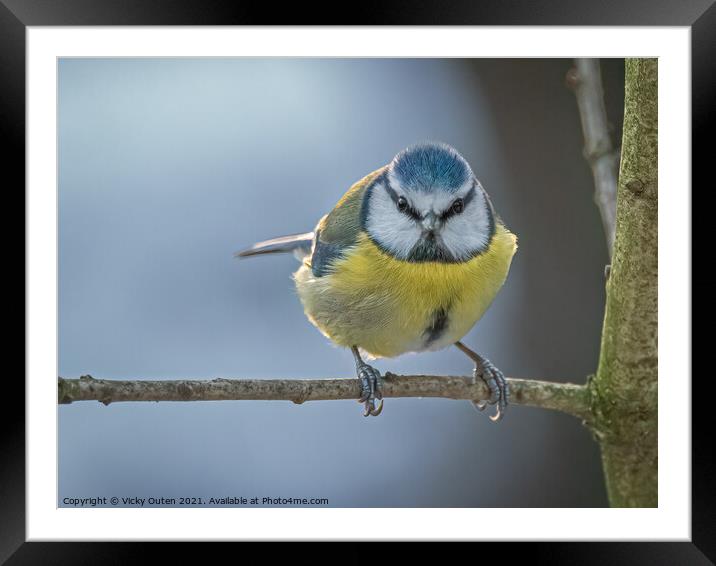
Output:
(454, 210)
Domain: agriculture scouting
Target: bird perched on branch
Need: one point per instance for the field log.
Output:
(408, 261)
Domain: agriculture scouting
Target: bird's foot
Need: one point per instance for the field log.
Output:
(496, 382)
(370, 381)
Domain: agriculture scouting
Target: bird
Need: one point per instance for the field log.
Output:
(408, 260)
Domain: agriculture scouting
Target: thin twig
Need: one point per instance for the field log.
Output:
(585, 79)
(566, 397)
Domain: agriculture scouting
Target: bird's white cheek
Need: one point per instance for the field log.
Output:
(465, 234)
(390, 228)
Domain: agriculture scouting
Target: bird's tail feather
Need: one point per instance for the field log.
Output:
(299, 244)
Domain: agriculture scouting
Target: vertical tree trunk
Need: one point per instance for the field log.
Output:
(624, 390)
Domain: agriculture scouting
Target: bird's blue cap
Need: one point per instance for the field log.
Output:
(431, 166)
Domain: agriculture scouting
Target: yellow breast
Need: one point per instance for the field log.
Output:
(388, 306)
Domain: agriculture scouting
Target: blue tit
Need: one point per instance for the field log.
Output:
(408, 261)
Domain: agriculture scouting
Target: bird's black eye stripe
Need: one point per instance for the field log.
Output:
(402, 203)
(459, 204)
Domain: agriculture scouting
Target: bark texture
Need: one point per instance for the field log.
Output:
(624, 390)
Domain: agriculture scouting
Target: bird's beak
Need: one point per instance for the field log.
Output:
(430, 221)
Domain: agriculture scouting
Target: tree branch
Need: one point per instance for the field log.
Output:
(624, 390)
(565, 397)
(586, 81)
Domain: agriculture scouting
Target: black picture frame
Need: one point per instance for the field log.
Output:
(17, 15)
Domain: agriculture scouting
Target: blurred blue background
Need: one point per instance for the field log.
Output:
(167, 166)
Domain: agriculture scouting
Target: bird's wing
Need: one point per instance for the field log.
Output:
(339, 229)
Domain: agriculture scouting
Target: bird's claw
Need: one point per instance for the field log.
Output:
(370, 390)
(497, 384)
(480, 405)
(371, 410)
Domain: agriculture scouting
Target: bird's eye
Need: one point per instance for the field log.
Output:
(458, 206)
(402, 204)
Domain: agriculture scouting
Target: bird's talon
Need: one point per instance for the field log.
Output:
(479, 405)
(375, 412)
(497, 416)
(497, 385)
(371, 410)
(370, 389)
